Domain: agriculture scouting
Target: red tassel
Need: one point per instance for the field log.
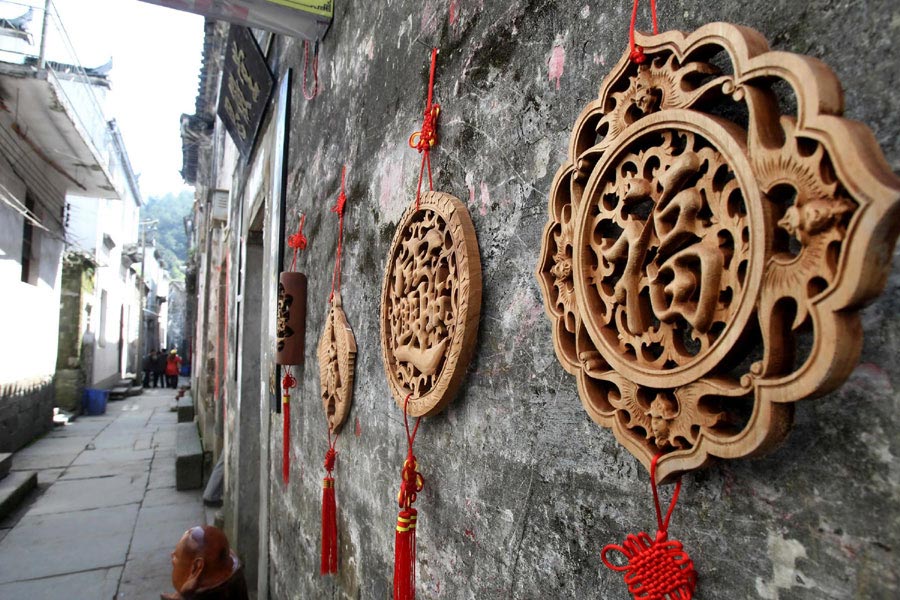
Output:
(411, 484)
(405, 539)
(287, 382)
(405, 555)
(329, 528)
(329, 518)
(286, 453)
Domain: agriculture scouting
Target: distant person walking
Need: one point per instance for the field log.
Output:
(173, 367)
(159, 373)
(149, 368)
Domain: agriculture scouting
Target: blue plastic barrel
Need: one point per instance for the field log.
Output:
(93, 402)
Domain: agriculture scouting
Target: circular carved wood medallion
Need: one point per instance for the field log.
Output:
(430, 303)
(667, 265)
(337, 364)
(706, 253)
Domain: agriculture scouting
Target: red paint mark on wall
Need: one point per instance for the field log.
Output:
(556, 64)
(391, 181)
(485, 199)
(470, 534)
(357, 431)
(429, 22)
(454, 11)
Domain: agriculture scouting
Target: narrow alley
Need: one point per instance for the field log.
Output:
(106, 514)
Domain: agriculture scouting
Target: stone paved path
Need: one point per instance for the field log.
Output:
(108, 514)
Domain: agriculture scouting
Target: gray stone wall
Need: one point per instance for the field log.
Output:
(522, 489)
(26, 411)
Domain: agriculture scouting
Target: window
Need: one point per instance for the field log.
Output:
(101, 339)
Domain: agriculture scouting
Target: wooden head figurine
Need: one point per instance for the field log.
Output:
(203, 566)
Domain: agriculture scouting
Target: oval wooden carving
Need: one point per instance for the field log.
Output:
(430, 303)
(337, 364)
(706, 254)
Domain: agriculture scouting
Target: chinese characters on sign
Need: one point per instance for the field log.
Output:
(246, 85)
(322, 8)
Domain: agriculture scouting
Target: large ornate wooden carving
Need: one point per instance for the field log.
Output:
(337, 363)
(430, 303)
(707, 250)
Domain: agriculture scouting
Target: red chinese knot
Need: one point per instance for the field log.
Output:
(288, 381)
(657, 569)
(297, 241)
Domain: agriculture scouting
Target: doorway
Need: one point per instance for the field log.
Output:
(249, 326)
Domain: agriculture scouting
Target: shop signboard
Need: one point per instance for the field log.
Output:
(305, 19)
(246, 85)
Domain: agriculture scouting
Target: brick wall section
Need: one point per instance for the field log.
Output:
(25, 413)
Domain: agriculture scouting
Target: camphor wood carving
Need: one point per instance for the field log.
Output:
(337, 362)
(706, 253)
(430, 303)
(290, 335)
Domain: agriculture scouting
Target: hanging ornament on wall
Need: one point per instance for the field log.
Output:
(707, 252)
(290, 336)
(337, 360)
(430, 306)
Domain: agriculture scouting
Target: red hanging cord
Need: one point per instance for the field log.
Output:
(657, 569)
(637, 53)
(329, 560)
(315, 92)
(405, 537)
(287, 383)
(339, 209)
(425, 139)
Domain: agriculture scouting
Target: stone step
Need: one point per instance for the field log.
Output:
(188, 457)
(185, 409)
(135, 390)
(117, 393)
(13, 489)
(5, 464)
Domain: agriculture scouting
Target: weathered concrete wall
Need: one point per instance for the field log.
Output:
(522, 489)
(77, 291)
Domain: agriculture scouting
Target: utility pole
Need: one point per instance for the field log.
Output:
(42, 55)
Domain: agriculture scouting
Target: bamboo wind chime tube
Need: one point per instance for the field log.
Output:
(291, 334)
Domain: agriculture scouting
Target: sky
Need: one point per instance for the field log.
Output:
(156, 56)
